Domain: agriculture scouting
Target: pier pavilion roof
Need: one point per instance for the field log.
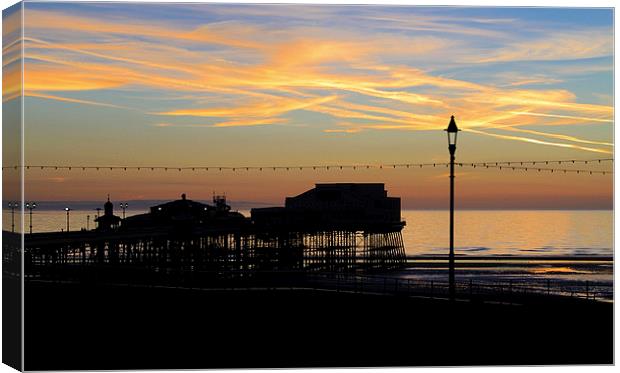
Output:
(186, 214)
(351, 206)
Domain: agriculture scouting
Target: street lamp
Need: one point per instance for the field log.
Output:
(87, 222)
(98, 211)
(31, 206)
(124, 206)
(67, 210)
(452, 131)
(12, 206)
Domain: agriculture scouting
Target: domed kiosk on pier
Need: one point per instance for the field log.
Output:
(108, 221)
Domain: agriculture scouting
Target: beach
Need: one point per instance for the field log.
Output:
(165, 328)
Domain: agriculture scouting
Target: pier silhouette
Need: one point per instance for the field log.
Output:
(334, 227)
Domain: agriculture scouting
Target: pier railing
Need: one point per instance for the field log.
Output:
(134, 260)
(48, 254)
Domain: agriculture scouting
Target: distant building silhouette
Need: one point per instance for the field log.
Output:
(108, 221)
(184, 214)
(335, 206)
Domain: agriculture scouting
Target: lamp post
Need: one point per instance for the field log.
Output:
(12, 206)
(31, 206)
(67, 210)
(87, 222)
(98, 211)
(124, 206)
(452, 131)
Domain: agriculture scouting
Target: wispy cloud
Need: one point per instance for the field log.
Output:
(258, 109)
(567, 45)
(540, 142)
(75, 101)
(534, 81)
(258, 74)
(585, 119)
(231, 123)
(558, 136)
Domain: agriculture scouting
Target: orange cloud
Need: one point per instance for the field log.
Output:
(11, 82)
(231, 123)
(55, 78)
(258, 109)
(259, 75)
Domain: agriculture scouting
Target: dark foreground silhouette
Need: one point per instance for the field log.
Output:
(76, 327)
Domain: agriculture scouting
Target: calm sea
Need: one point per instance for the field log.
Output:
(476, 232)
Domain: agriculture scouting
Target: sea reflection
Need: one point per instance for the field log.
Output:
(477, 233)
(511, 232)
(558, 270)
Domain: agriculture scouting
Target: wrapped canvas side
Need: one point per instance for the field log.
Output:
(12, 186)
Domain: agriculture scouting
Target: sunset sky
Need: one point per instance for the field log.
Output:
(261, 85)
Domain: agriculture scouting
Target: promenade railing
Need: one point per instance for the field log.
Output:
(506, 291)
(501, 290)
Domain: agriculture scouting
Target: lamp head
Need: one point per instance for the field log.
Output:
(452, 131)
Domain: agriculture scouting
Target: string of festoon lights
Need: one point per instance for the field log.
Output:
(528, 165)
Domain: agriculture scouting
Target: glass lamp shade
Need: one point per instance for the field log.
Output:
(452, 138)
(452, 131)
